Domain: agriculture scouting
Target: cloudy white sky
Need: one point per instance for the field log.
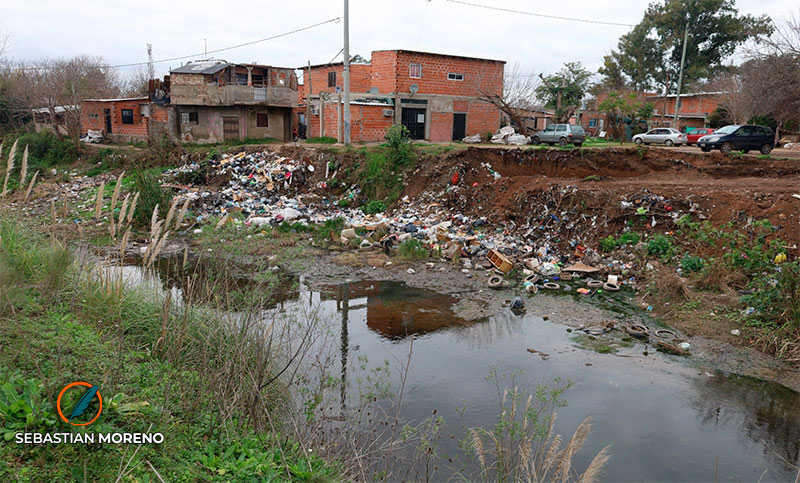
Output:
(118, 30)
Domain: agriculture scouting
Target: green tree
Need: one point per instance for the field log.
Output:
(564, 90)
(621, 108)
(650, 54)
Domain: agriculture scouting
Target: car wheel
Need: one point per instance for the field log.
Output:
(669, 142)
(536, 140)
(726, 148)
(638, 141)
(705, 150)
(562, 141)
(766, 149)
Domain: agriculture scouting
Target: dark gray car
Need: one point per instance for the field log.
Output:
(562, 134)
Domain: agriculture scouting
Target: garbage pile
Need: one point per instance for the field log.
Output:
(508, 135)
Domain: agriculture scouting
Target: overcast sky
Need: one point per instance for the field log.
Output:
(118, 30)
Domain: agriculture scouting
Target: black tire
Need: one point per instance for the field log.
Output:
(726, 147)
(637, 141)
(766, 149)
(669, 143)
(562, 141)
(536, 140)
(705, 150)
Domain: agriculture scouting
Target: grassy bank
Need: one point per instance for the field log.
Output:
(161, 367)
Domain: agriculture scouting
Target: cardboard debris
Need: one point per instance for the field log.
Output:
(580, 267)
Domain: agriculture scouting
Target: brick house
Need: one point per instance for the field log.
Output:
(121, 120)
(693, 111)
(215, 101)
(434, 95)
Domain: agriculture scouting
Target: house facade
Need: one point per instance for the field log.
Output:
(216, 101)
(435, 96)
(123, 120)
(693, 110)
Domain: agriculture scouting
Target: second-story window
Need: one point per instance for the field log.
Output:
(332, 78)
(415, 71)
(455, 77)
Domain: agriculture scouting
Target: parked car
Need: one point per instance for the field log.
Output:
(661, 135)
(698, 133)
(739, 137)
(562, 134)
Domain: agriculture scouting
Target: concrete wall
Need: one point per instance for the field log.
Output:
(210, 125)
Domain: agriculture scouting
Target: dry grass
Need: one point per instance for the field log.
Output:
(669, 286)
(720, 278)
(9, 167)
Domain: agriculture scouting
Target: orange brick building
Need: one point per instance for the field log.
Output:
(693, 111)
(121, 120)
(434, 95)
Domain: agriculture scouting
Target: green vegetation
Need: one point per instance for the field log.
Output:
(160, 369)
(329, 230)
(102, 162)
(322, 140)
(661, 246)
(151, 195)
(610, 243)
(45, 150)
(398, 139)
(374, 207)
(412, 249)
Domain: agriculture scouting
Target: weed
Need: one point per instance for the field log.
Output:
(322, 140)
(608, 243)
(592, 177)
(151, 195)
(692, 264)
(374, 207)
(326, 231)
(661, 246)
(628, 238)
(102, 161)
(412, 249)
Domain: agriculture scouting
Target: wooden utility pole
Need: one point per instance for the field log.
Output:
(680, 76)
(346, 73)
(308, 102)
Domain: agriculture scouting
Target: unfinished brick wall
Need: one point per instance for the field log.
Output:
(360, 79)
(478, 75)
(138, 131)
(442, 126)
(383, 75)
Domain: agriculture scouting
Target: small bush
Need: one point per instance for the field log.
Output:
(608, 243)
(45, 149)
(628, 238)
(398, 138)
(321, 140)
(374, 207)
(661, 246)
(412, 249)
(691, 263)
(330, 228)
(150, 194)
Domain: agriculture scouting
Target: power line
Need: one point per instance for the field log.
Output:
(183, 57)
(532, 14)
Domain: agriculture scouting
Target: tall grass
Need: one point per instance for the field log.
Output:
(151, 196)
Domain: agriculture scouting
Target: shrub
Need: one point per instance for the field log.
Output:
(45, 149)
(324, 231)
(692, 263)
(374, 207)
(151, 194)
(321, 140)
(398, 138)
(628, 238)
(608, 243)
(661, 246)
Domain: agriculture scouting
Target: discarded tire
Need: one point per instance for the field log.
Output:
(611, 287)
(532, 278)
(637, 330)
(532, 289)
(495, 281)
(551, 286)
(594, 284)
(666, 334)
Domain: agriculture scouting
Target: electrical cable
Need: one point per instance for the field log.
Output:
(532, 14)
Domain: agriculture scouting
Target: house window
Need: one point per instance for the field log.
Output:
(94, 115)
(262, 119)
(455, 77)
(415, 71)
(592, 122)
(332, 78)
(127, 116)
(241, 79)
(189, 117)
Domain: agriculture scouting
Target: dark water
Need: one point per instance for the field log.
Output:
(664, 420)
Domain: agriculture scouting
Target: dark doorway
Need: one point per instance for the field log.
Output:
(459, 126)
(230, 128)
(414, 120)
(107, 115)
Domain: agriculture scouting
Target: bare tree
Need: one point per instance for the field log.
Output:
(135, 83)
(772, 75)
(735, 98)
(53, 83)
(518, 95)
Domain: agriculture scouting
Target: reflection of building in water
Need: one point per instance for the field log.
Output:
(395, 310)
(769, 412)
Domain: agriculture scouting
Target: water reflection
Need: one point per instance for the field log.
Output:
(767, 413)
(394, 310)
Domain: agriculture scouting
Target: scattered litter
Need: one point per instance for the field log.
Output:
(736, 332)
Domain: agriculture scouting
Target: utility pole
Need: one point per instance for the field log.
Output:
(680, 76)
(151, 70)
(308, 102)
(346, 73)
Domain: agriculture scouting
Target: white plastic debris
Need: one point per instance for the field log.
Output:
(736, 332)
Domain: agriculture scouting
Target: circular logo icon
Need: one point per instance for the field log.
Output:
(80, 413)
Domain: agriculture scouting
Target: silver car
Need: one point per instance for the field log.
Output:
(662, 135)
(562, 134)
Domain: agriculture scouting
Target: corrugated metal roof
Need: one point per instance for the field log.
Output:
(208, 67)
(118, 99)
(57, 109)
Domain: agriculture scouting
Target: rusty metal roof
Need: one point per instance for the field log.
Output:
(202, 67)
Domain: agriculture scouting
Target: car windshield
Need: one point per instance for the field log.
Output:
(577, 129)
(727, 129)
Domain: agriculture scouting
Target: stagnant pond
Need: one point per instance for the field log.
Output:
(664, 419)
